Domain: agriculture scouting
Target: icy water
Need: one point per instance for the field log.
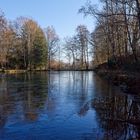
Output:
(66, 106)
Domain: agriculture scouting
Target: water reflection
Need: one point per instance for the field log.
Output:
(22, 94)
(119, 116)
(65, 105)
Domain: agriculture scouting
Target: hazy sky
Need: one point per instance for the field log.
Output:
(62, 14)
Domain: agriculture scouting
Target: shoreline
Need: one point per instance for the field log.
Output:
(128, 82)
(14, 71)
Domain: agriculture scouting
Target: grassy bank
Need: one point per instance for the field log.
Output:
(23, 71)
(13, 71)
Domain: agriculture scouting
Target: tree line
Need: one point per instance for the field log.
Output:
(25, 45)
(115, 41)
(116, 38)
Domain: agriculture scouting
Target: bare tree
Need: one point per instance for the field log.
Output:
(52, 43)
(83, 37)
(116, 36)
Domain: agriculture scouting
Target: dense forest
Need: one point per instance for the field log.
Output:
(117, 33)
(24, 45)
(114, 41)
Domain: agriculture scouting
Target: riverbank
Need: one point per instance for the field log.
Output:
(128, 81)
(12, 71)
(23, 71)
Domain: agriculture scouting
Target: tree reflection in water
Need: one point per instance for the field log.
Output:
(22, 93)
(66, 105)
(119, 116)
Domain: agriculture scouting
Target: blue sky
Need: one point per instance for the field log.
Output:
(62, 14)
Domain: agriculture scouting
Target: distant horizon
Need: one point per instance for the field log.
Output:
(50, 13)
